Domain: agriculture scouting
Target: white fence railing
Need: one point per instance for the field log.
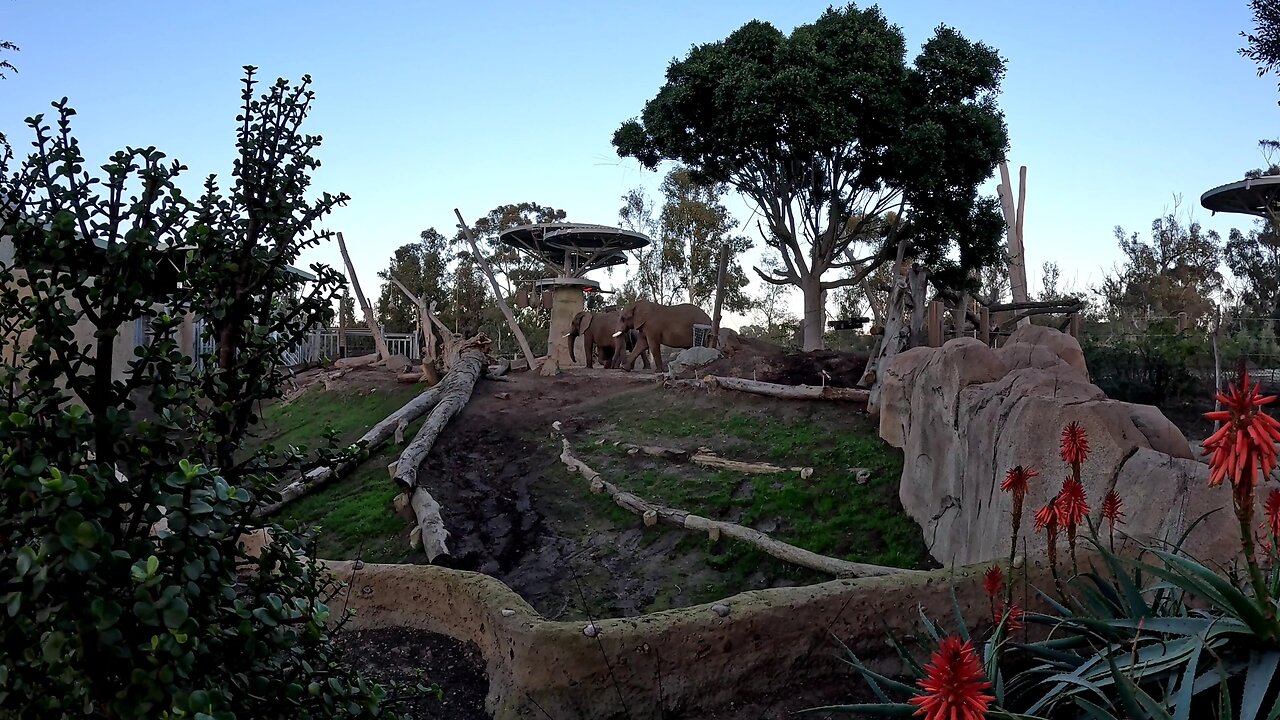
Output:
(320, 345)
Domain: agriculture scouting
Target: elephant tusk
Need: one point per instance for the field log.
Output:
(568, 335)
(617, 333)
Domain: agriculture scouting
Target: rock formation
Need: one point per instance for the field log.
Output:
(964, 414)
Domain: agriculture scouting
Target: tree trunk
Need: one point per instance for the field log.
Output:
(372, 322)
(373, 439)
(918, 285)
(455, 390)
(893, 339)
(497, 291)
(1014, 241)
(960, 315)
(815, 312)
(653, 514)
(722, 269)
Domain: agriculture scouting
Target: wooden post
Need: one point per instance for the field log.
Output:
(378, 342)
(1182, 323)
(984, 325)
(934, 328)
(720, 279)
(1013, 222)
(342, 324)
(1077, 325)
(497, 292)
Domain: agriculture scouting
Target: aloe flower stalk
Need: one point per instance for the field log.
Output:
(1243, 447)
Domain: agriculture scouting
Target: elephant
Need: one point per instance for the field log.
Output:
(670, 325)
(600, 331)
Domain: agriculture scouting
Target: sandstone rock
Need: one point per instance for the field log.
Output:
(1062, 344)
(964, 415)
(398, 363)
(694, 357)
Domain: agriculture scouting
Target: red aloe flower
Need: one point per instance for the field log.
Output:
(1246, 441)
(1272, 508)
(1014, 622)
(1075, 444)
(1071, 504)
(1047, 517)
(1112, 508)
(993, 581)
(953, 684)
(1015, 481)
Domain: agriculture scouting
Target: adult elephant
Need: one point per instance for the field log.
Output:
(601, 331)
(658, 325)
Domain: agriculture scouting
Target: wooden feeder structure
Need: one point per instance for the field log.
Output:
(570, 251)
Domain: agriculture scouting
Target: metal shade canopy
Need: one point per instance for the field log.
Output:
(574, 249)
(1255, 196)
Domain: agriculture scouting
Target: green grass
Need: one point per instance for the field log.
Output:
(354, 517)
(829, 513)
(351, 413)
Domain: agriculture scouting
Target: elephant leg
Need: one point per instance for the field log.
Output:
(641, 345)
(588, 349)
(656, 348)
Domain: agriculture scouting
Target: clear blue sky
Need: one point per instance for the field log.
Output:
(1115, 107)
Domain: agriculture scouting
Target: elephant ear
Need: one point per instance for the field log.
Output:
(586, 322)
(640, 317)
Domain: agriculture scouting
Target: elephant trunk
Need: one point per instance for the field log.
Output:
(573, 339)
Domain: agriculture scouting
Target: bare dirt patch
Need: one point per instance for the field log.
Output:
(451, 672)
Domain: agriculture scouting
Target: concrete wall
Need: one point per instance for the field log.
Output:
(769, 641)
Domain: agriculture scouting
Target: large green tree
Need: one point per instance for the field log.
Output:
(513, 269)
(650, 278)
(830, 123)
(423, 267)
(693, 225)
(1175, 270)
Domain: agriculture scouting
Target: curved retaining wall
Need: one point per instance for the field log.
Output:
(667, 662)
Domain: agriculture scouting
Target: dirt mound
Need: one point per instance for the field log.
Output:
(818, 367)
(759, 360)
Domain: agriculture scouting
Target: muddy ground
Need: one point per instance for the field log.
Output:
(429, 676)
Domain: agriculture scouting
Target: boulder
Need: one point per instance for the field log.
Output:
(398, 363)
(965, 414)
(694, 357)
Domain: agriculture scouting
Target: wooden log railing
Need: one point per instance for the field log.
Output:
(992, 322)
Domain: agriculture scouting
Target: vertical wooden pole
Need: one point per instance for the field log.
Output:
(1013, 224)
(1077, 325)
(934, 328)
(497, 291)
(342, 323)
(378, 342)
(984, 325)
(720, 280)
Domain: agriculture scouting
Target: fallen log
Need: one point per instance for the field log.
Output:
(351, 362)
(652, 514)
(657, 451)
(790, 392)
(706, 458)
(371, 440)
(455, 390)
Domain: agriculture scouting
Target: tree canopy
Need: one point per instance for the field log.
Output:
(1174, 271)
(423, 268)
(831, 123)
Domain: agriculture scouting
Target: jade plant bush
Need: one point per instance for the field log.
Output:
(125, 481)
(1149, 634)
